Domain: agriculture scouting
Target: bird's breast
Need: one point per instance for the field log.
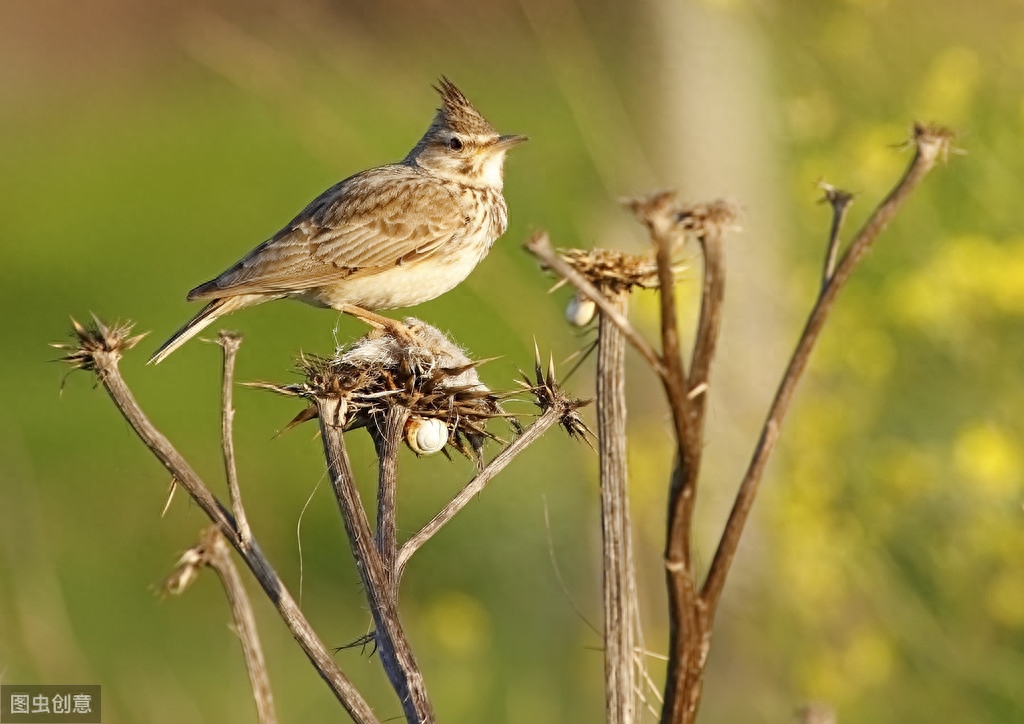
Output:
(486, 213)
(404, 285)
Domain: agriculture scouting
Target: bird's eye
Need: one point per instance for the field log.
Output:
(455, 144)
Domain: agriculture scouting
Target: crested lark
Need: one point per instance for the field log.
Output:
(389, 237)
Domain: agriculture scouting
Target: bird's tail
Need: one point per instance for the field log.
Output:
(207, 315)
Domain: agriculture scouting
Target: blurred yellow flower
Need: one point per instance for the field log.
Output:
(968, 277)
(908, 472)
(989, 458)
(875, 161)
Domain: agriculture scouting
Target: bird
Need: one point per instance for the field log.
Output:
(389, 237)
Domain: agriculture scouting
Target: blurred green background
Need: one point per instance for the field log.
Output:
(144, 146)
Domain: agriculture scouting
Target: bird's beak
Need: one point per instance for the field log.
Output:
(504, 143)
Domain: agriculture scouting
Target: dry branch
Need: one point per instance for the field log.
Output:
(379, 382)
(840, 201)
(212, 551)
(99, 349)
(667, 222)
(621, 605)
(692, 607)
(931, 144)
(540, 246)
(557, 409)
(395, 653)
(387, 438)
(230, 343)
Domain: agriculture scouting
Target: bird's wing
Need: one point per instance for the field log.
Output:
(368, 223)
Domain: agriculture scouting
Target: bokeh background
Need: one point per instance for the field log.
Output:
(144, 146)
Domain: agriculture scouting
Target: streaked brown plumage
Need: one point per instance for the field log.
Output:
(393, 236)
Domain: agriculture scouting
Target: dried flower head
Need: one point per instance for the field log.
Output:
(432, 377)
(662, 212)
(611, 270)
(714, 218)
(97, 339)
(549, 394)
(934, 141)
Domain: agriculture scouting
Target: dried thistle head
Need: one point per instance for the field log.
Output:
(611, 270)
(663, 213)
(431, 377)
(934, 141)
(653, 207)
(96, 339)
(548, 395)
(714, 218)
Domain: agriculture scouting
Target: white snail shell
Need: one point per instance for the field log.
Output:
(425, 435)
(580, 311)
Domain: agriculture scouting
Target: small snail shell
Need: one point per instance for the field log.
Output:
(425, 435)
(580, 311)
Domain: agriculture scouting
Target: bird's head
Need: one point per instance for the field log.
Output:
(460, 144)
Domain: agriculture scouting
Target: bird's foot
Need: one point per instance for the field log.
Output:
(396, 329)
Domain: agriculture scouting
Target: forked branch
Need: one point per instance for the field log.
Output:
(212, 550)
(395, 653)
(931, 143)
(99, 349)
(470, 490)
(689, 633)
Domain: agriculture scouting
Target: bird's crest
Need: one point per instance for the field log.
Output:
(457, 113)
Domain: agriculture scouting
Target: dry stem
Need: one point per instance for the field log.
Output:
(931, 144)
(550, 417)
(621, 606)
(387, 440)
(212, 551)
(245, 623)
(395, 653)
(689, 635)
(230, 343)
(840, 201)
(540, 246)
(100, 350)
(691, 610)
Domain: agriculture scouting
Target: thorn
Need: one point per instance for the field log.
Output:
(170, 496)
(99, 325)
(536, 362)
(697, 391)
(558, 285)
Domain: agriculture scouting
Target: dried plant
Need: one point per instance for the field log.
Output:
(611, 270)
(389, 386)
(97, 340)
(693, 603)
(432, 378)
(380, 383)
